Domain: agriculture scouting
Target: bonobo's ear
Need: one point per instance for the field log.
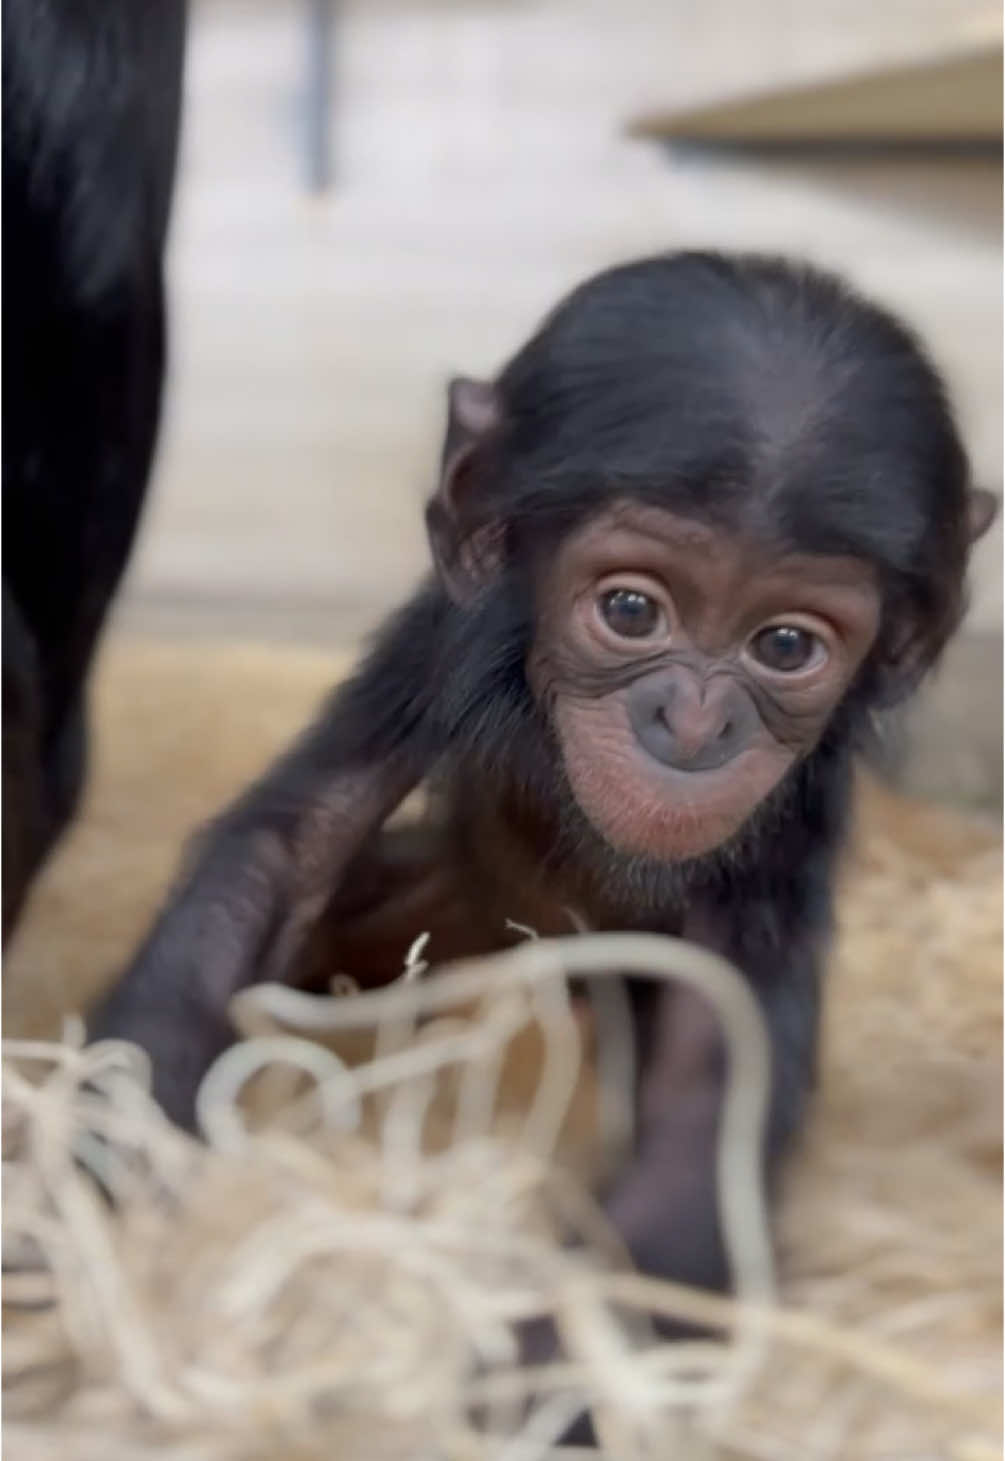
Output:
(465, 557)
(982, 509)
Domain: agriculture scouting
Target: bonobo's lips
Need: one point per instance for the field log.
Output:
(640, 805)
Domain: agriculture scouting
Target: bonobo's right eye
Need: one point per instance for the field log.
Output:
(631, 614)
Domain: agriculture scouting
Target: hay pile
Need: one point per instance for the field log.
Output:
(316, 1289)
(304, 1290)
(347, 1279)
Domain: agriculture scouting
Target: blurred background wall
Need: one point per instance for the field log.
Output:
(482, 164)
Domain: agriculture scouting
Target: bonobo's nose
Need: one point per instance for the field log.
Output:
(689, 724)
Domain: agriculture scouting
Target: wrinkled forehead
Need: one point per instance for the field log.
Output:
(636, 527)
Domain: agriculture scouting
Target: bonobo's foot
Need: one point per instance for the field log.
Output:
(539, 1346)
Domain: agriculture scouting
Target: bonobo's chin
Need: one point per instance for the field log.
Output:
(671, 834)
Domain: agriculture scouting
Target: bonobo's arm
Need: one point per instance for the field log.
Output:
(267, 867)
(665, 1204)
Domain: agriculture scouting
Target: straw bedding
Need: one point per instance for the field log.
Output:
(340, 1273)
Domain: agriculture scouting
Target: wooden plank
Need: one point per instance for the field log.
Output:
(955, 99)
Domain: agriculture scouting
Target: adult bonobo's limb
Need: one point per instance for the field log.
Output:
(264, 871)
(91, 103)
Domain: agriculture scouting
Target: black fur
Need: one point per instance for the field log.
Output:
(90, 120)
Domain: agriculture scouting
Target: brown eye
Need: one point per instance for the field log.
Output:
(785, 648)
(631, 614)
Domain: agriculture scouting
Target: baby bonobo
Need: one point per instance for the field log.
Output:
(707, 521)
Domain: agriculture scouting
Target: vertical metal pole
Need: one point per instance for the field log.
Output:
(318, 109)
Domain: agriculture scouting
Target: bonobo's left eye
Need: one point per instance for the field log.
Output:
(631, 614)
(787, 648)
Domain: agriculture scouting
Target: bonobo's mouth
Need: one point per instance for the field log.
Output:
(642, 806)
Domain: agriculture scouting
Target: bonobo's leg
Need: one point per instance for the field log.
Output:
(774, 926)
(268, 868)
(665, 1204)
(43, 766)
(91, 99)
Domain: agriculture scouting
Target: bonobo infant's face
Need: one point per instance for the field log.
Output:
(685, 670)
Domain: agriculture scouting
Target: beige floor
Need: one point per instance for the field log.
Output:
(481, 169)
